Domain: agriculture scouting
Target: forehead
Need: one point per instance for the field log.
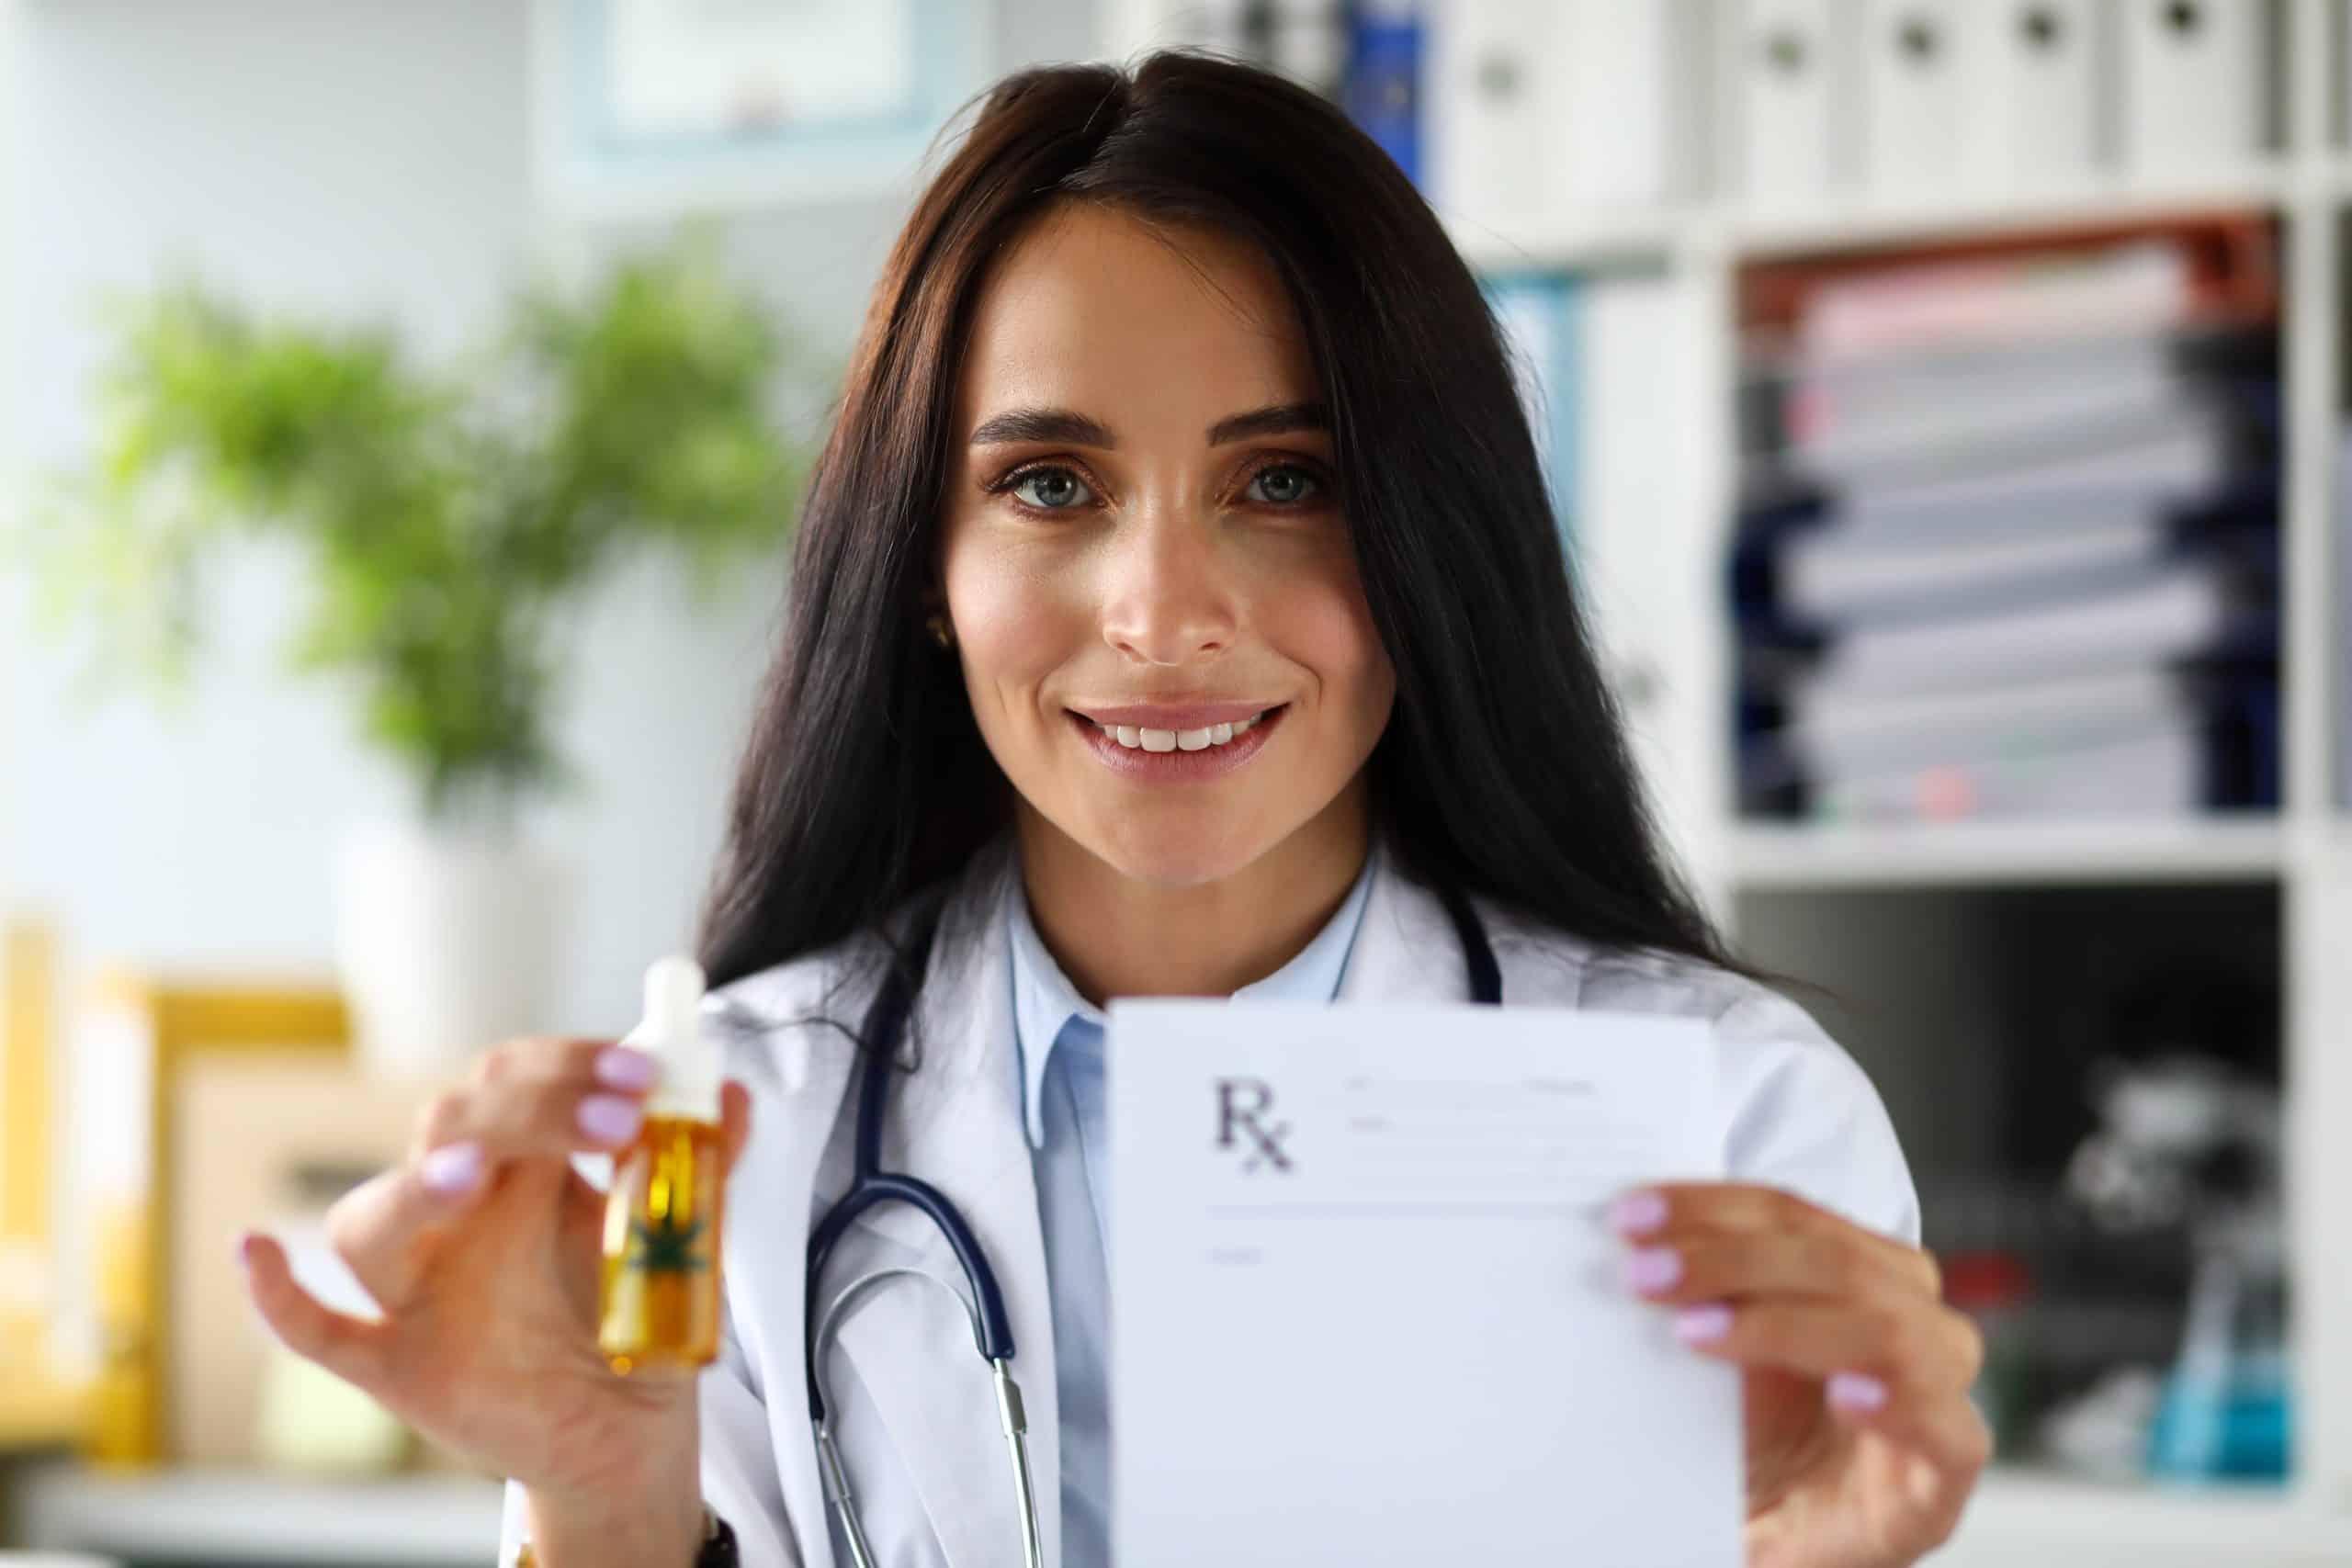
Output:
(1098, 311)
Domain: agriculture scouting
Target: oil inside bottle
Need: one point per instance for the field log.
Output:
(660, 1271)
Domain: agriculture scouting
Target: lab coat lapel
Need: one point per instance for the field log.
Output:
(1406, 950)
(955, 1122)
(766, 1243)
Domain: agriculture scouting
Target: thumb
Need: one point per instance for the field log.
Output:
(352, 1349)
(734, 1123)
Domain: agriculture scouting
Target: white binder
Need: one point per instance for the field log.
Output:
(2195, 75)
(1790, 68)
(1496, 107)
(1916, 67)
(2034, 116)
(1543, 108)
(1627, 109)
(1308, 43)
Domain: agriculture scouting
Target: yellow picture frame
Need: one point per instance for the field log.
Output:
(135, 1036)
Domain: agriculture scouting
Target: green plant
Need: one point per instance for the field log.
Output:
(451, 518)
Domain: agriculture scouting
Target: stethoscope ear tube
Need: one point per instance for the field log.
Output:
(1012, 1415)
(1015, 1421)
(837, 1493)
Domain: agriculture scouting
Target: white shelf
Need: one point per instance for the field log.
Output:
(1757, 235)
(2023, 1519)
(1606, 238)
(428, 1521)
(2036, 854)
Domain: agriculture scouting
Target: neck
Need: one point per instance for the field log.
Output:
(1114, 935)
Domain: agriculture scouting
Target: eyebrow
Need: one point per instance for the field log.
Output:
(1065, 424)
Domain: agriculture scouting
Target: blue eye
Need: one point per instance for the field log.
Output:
(1284, 484)
(1057, 489)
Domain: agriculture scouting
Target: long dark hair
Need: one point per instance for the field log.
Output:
(1503, 771)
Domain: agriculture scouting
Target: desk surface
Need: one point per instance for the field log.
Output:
(214, 1516)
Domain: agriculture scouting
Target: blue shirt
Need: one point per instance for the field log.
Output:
(1062, 1099)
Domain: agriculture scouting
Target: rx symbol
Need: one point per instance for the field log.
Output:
(1242, 1103)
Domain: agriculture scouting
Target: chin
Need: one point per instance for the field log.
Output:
(1173, 856)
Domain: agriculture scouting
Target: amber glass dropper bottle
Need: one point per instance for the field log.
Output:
(659, 1301)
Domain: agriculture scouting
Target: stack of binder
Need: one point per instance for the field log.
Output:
(1509, 111)
(1906, 98)
(2009, 534)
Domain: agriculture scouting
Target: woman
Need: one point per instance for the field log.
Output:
(1177, 610)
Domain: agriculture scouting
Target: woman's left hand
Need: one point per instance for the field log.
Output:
(1862, 1444)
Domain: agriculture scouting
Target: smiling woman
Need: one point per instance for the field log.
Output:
(1176, 407)
(1177, 610)
(1176, 410)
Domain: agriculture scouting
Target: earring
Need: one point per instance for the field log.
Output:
(940, 632)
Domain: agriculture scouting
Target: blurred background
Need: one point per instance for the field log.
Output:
(1945, 406)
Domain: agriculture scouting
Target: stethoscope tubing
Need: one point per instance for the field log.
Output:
(884, 1028)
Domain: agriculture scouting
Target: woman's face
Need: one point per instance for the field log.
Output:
(1142, 533)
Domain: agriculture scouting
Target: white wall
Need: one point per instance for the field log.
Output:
(349, 157)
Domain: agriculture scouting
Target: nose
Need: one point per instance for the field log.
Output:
(1168, 597)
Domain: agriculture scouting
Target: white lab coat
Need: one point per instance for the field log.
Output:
(918, 1424)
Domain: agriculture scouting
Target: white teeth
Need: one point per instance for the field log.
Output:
(1135, 738)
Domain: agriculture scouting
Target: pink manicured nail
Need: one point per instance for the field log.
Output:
(245, 1241)
(618, 1067)
(452, 1169)
(1702, 1325)
(1854, 1391)
(1637, 1214)
(607, 1120)
(1652, 1269)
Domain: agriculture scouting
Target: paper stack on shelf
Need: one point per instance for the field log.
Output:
(2008, 538)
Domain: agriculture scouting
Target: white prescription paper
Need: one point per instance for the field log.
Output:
(1365, 1309)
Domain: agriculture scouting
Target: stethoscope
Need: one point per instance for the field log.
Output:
(886, 1024)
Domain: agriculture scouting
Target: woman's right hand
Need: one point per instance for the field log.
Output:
(484, 1252)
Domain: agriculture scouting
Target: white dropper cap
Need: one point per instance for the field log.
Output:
(672, 1031)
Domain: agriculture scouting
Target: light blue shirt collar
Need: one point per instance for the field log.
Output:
(1044, 999)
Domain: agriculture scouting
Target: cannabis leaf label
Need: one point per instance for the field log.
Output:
(665, 1247)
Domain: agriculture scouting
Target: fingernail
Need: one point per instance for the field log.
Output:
(246, 1240)
(618, 1067)
(1652, 1269)
(606, 1120)
(1702, 1325)
(1854, 1391)
(452, 1169)
(1637, 1214)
